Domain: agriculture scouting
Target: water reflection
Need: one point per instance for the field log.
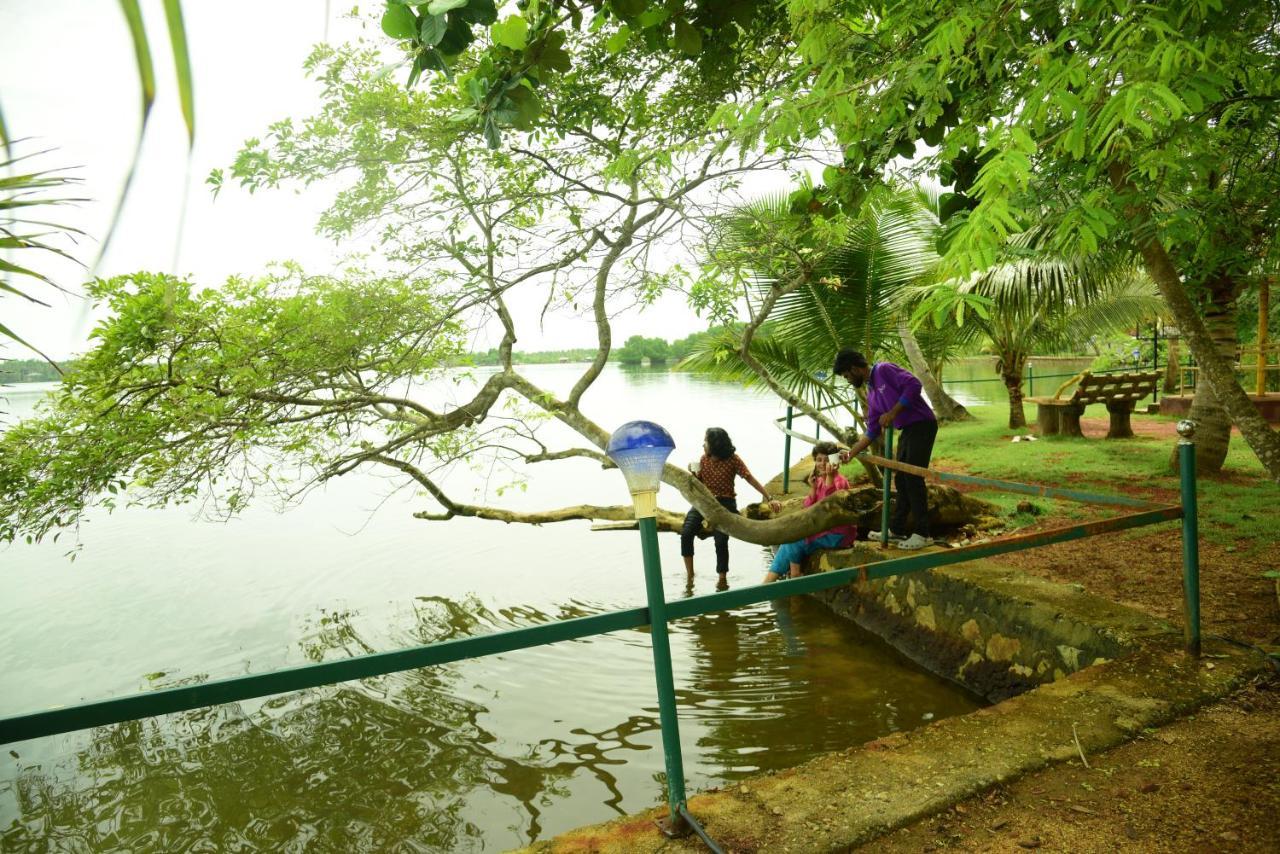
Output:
(484, 754)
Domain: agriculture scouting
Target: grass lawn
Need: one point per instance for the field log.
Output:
(1237, 507)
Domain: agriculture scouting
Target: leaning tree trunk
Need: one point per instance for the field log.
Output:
(1216, 370)
(1010, 367)
(944, 405)
(1171, 377)
(1213, 425)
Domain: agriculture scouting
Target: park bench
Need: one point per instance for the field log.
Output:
(1059, 415)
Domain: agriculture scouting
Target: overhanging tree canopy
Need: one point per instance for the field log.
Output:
(1145, 127)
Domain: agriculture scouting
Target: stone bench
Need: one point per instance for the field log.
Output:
(1060, 416)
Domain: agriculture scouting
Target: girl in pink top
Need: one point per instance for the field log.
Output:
(824, 480)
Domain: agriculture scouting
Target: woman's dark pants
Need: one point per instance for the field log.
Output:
(693, 526)
(915, 446)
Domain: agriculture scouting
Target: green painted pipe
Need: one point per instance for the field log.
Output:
(662, 671)
(171, 700)
(786, 454)
(888, 475)
(1190, 540)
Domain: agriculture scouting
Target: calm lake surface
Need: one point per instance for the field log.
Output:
(480, 755)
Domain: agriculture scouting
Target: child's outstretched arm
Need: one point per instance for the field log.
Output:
(746, 475)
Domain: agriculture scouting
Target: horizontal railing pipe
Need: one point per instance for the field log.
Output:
(169, 700)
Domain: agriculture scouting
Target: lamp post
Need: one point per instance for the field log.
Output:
(640, 449)
(1190, 536)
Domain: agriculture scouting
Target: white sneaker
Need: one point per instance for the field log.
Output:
(875, 536)
(913, 542)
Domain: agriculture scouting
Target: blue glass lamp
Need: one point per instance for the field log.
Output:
(640, 449)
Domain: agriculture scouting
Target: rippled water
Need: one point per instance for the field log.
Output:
(478, 755)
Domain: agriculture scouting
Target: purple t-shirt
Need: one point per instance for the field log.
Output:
(889, 385)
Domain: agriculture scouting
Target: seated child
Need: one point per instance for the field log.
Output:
(824, 480)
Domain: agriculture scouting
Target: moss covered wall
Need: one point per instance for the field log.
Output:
(991, 630)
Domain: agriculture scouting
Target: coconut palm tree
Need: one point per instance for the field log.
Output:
(1035, 301)
(25, 193)
(841, 294)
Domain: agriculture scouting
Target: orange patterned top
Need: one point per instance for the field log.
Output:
(717, 474)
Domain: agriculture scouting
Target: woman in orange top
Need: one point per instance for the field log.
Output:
(716, 469)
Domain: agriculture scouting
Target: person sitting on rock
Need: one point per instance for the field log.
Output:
(823, 481)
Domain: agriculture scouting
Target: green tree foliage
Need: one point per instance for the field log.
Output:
(279, 384)
(1142, 127)
(265, 383)
(638, 349)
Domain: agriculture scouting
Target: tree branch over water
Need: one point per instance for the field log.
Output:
(268, 386)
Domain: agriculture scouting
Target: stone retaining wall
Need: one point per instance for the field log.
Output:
(997, 633)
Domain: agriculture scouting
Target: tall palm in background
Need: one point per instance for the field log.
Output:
(845, 275)
(26, 194)
(23, 192)
(1036, 302)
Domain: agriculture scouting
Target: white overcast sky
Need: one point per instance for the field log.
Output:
(68, 80)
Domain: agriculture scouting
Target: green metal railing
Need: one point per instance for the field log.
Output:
(656, 615)
(789, 418)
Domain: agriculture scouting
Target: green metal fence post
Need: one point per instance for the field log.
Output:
(1031, 380)
(888, 476)
(1190, 536)
(662, 672)
(786, 454)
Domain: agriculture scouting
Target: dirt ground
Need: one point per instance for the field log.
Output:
(1145, 572)
(1210, 782)
(1207, 783)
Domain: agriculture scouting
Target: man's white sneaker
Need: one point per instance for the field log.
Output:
(874, 536)
(913, 542)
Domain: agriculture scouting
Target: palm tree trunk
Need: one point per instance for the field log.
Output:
(1213, 426)
(1171, 366)
(944, 405)
(1217, 371)
(1011, 366)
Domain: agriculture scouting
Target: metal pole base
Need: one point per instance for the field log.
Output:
(673, 828)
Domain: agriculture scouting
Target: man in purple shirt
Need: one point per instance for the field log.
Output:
(893, 397)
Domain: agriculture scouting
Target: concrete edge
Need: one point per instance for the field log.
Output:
(847, 798)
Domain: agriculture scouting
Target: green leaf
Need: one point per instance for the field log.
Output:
(399, 22)
(492, 136)
(652, 17)
(628, 8)
(687, 39)
(432, 29)
(528, 107)
(616, 42)
(147, 79)
(439, 7)
(182, 65)
(482, 12)
(4, 136)
(511, 32)
(456, 37)
(553, 56)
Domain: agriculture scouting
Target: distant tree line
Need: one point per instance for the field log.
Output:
(635, 351)
(29, 371)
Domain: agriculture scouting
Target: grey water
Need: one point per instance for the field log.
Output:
(480, 755)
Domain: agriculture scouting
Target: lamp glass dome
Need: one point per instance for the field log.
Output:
(640, 449)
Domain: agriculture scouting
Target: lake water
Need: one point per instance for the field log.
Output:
(479, 755)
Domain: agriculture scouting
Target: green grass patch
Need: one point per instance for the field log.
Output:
(1237, 508)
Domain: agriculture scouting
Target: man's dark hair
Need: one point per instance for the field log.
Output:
(719, 444)
(847, 359)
